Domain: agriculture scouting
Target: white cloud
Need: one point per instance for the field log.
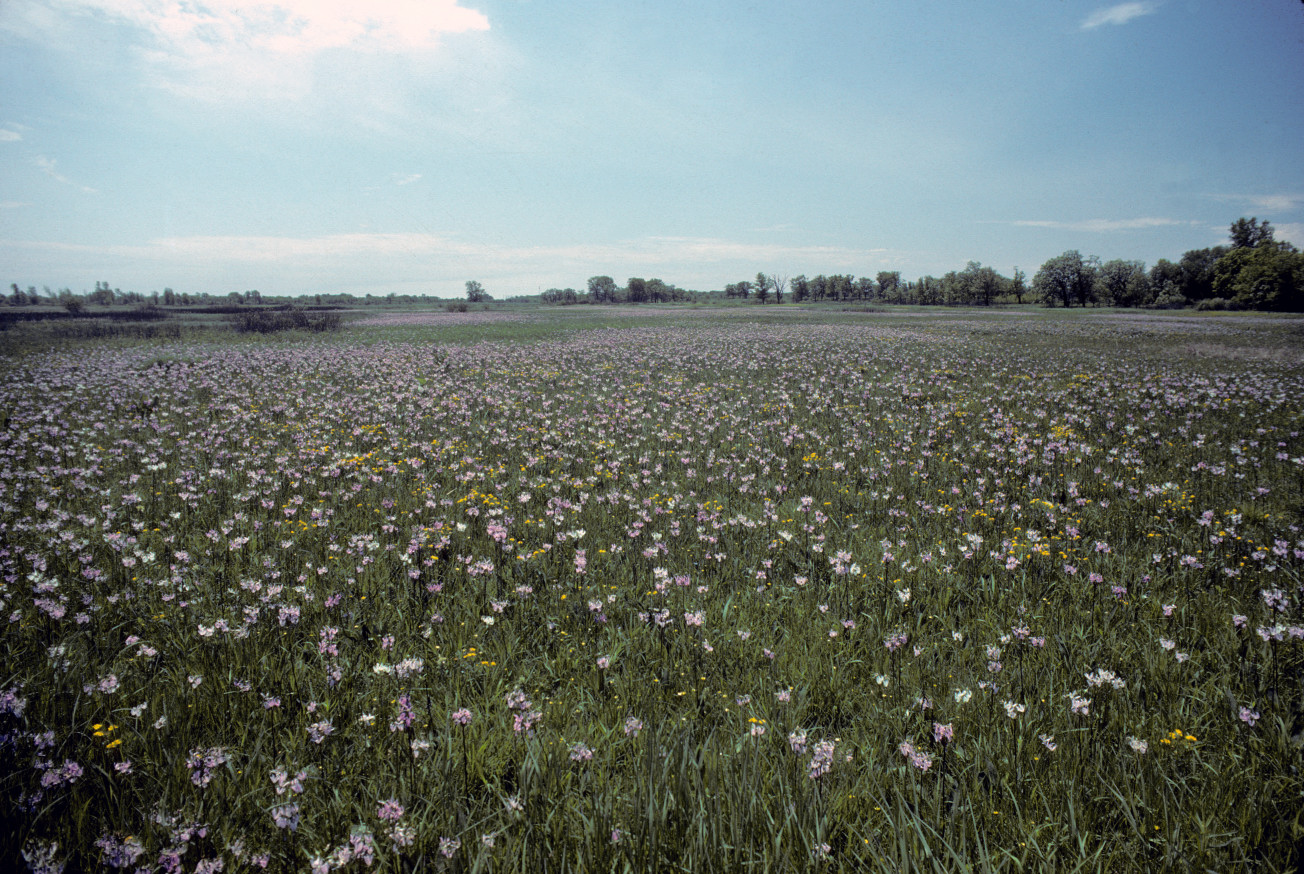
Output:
(1266, 202)
(13, 204)
(405, 179)
(1120, 13)
(1291, 232)
(365, 262)
(49, 167)
(1105, 225)
(291, 26)
(9, 136)
(220, 50)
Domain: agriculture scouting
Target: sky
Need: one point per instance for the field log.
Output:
(407, 146)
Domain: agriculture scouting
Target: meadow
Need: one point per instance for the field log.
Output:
(658, 589)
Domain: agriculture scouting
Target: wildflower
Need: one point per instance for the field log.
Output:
(1048, 741)
(963, 696)
(1079, 705)
(821, 760)
(462, 716)
(1014, 711)
(448, 847)
(202, 763)
(633, 726)
(390, 810)
(580, 752)
(401, 836)
(1103, 677)
(604, 662)
(943, 734)
(1248, 716)
(1137, 744)
(286, 816)
(797, 741)
(319, 731)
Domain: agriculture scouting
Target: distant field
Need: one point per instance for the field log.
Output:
(655, 588)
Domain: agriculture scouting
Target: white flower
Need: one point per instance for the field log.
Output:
(962, 696)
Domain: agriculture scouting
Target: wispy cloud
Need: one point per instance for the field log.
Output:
(1265, 202)
(405, 179)
(12, 204)
(50, 167)
(290, 26)
(1291, 232)
(1120, 13)
(9, 136)
(229, 49)
(370, 260)
(1104, 225)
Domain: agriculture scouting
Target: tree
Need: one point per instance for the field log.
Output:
(800, 288)
(1197, 265)
(475, 292)
(636, 290)
(1123, 283)
(1249, 233)
(1066, 279)
(1267, 276)
(778, 283)
(1019, 285)
(762, 287)
(889, 285)
(602, 289)
(981, 283)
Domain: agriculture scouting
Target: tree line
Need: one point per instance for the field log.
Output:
(1253, 270)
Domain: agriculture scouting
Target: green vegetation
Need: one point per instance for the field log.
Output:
(639, 588)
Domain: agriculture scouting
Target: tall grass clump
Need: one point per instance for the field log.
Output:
(935, 594)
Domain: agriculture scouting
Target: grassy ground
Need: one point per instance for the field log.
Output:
(658, 588)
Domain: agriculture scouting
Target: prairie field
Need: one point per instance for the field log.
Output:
(658, 590)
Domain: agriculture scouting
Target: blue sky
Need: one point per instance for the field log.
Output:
(301, 146)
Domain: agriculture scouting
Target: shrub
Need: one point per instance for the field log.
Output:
(275, 321)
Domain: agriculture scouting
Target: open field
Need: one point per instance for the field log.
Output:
(658, 589)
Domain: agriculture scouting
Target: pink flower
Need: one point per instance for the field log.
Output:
(462, 716)
(1248, 716)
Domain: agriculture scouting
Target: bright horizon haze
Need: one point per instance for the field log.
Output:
(300, 147)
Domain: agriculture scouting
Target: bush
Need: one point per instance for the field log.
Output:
(1214, 303)
(1169, 299)
(456, 306)
(275, 321)
(142, 313)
